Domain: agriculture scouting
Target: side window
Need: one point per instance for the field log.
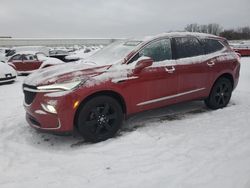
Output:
(211, 45)
(17, 57)
(158, 51)
(188, 47)
(29, 57)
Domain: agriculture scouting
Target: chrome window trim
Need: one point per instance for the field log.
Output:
(140, 48)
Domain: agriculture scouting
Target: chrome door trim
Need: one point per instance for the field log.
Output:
(169, 97)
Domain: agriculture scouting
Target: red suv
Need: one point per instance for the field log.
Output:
(130, 76)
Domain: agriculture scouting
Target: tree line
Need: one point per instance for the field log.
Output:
(242, 33)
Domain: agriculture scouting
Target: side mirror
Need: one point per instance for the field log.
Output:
(143, 63)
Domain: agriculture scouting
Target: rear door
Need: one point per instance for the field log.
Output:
(192, 68)
(30, 62)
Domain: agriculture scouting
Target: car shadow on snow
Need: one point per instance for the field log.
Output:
(171, 113)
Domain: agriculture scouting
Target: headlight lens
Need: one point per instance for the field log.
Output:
(49, 108)
(66, 86)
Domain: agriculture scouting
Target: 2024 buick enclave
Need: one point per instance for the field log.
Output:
(130, 76)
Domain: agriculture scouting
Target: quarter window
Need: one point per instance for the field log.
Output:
(158, 51)
(211, 46)
(29, 57)
(188, 47)
(16, 58)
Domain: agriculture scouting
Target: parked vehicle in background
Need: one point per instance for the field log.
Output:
(41, 49)
(243, 51)
(7, 73)
(3, 52)
(29, 61)
(128, 77)
(242, 48)
(59, 54)
(82, 54)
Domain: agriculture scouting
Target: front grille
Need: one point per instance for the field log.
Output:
(29, 96)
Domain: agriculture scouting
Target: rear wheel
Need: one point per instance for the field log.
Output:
(220, 94)
(100, 118)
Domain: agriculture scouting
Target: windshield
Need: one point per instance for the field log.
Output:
(114, 52)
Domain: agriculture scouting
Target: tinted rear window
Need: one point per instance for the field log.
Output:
(188, 47)
(211, 45)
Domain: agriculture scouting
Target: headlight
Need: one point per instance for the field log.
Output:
(66, 86)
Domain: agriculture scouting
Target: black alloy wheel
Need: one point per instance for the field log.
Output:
(100, 118)
(220, 94)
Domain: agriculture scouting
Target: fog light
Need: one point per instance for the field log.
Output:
(49, 108)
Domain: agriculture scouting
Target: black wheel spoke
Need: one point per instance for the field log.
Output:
(91, 123)
(106, 109)
(223, 100)
(108, 126)
(111, 116)
(217, 99)
(98, 130)
(223, 87)
(96, 111)
(220, 88)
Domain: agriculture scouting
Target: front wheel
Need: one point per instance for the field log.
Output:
(99, 119)
(220, 94)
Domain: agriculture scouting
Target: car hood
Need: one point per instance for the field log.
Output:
(63, 73)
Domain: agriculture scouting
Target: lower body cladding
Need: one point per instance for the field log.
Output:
(55, 114)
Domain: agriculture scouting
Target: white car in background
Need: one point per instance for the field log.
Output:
(7, 73)
(82, 54)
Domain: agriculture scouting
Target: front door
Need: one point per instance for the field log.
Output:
(156, 85)
(17, 61)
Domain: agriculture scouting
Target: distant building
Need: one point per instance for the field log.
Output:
(5, 37)
(53, 42)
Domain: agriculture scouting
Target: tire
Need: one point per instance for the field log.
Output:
(99, 119)
(220, 94)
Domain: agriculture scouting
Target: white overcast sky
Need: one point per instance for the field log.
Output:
(115, 18)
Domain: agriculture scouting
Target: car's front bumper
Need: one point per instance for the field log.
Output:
(61, 121)
(7, 79)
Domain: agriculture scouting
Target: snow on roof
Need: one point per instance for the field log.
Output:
(180, 34)
(29, 52)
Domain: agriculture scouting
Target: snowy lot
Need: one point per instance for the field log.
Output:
(183, 145)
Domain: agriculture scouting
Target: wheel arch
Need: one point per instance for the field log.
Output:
(110, 93)
(228, 76)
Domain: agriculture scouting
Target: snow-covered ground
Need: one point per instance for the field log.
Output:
(183, 145)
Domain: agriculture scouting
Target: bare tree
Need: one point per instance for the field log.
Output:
(212, 28)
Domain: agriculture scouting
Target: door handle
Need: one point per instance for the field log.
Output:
(211, 63)
(170, 70)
